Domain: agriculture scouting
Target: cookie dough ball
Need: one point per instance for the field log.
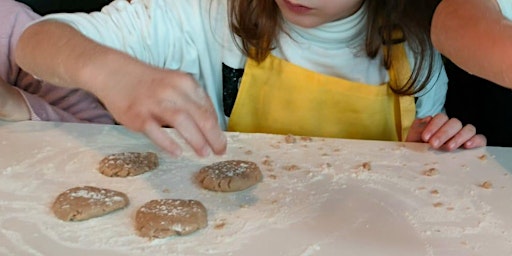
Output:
(167, 217)
(128, 164)
(229, 176)
(82, 203)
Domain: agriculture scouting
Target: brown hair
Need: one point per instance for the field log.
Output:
(258, 22)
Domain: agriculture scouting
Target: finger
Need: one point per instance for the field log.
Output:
(445, 132)
(161, 138)
(417, 128)
(204, 115)
(186, 126)
(434, 125)
(460, 138)
(476, 141)
(206, 119)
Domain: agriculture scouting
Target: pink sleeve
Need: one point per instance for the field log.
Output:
(46, 102)
(52, 103)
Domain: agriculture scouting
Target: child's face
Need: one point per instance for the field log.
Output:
(313, 13)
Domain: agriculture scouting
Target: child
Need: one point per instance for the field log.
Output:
(477, 36)
(23, 97)
(317, 68)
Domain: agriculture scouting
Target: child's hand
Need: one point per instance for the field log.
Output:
(12, 105)
(149, 98)
(445, 133)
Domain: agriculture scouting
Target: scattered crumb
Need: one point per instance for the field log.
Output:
(431, 172)
(219, 225)
(267, 162)
(326, 166)
(438, 204)
(483, 157)
(276, 146)
(325, 154)
(291, 168)
(274, 202)
(366, 166)
(306, 139)
(486, 184)
(434, 192)
(166, 190)
(248, 152)
(450, 208)
(272, 177)
(336, 150)
(290, 139)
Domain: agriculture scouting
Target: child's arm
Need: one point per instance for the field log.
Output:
(476, 36)
(140, 96)
(445, 133)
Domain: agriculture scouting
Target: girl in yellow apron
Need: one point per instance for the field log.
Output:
(276, 96)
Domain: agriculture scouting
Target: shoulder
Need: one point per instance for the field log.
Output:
(13, 13)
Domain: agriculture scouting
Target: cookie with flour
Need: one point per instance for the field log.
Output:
(161, 218)
(82, 203)
(126, 164)
(229, 176)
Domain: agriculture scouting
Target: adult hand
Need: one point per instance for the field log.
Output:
(12, 105)
(150, 98)
(445, 133)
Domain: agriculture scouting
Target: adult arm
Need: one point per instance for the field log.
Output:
(475, 35)
(140, 96)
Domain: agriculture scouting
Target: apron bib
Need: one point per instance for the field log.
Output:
(276, 96)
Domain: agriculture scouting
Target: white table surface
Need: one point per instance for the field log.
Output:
(315, 197)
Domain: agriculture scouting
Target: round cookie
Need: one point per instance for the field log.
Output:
(82, 203)
(229, 176)
(128, 164)
(167, 217)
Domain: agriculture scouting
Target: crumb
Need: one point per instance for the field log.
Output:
(366, 166)
(274, 202)
(431, 172)
(483, 157)
(290, 139)
(306, 139)
(325, 154)
(450, 208)
(421, 188)
(486, 184)
(166, 190)
(327, 165)
(220, 225)
(267, 162)
(336, 150)
(291, 168)
(275, 146)
(438, 204)
(434, 192)
(272, 177)
(248, 152)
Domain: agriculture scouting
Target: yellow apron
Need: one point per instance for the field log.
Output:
(278, 97)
